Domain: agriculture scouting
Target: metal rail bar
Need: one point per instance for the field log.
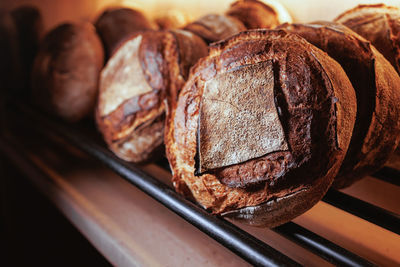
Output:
(364, 210)
(320, 246)
(311, 241)
(388, 175)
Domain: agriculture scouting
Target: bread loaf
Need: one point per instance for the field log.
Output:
(257, 14)
(380, 24)
(261, 160)
(143, 73)
(66, 71)
(118, 24)
(215, 27)
(377, 87)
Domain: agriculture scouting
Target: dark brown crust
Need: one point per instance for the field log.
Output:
(277, 211)
(115, 25)
(254, 14)
(313, 159)
(380, 24)
(134, 129)
(377, 86)
(213, 27)
(66, 71)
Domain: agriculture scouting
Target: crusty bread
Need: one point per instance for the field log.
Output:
(215, 27)
(66, 71)
(115, 25)
(263, 160)
(254, 14)
(143, 73)
(377, 86)
(378, 23)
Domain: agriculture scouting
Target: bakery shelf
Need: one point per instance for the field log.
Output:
(242, 243)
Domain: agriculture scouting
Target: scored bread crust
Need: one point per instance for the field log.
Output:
(133, 126)
(377, 85)
(305, 171)
(378, 23)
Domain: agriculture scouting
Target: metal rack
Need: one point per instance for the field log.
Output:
(240, 242)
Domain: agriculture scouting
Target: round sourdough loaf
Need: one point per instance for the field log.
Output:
(380, 24)
(257, 14)
(115, 25)
(261, 127)
(215, 27)
(144, 71)
(377, 86)
(66, 71)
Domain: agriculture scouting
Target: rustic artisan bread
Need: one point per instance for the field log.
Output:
(377, 86)
(30, 28)
(257, 14)
(261, 127)
(215, 27)
(66, 71)
(146, 70)
(117, 24)
(380, 24)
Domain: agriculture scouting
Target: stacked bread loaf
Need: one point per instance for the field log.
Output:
(258, 119)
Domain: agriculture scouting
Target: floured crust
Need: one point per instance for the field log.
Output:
(66, 71)
(134, 85)
(213, 27)
(115, 25)
(230, 100)
(380, 24)
(377, 87)
(305, 116)
(254, 14)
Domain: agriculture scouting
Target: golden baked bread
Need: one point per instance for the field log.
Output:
(380, 24)
(377, 86)
(261, 127)
(66, 71)
(143, 72)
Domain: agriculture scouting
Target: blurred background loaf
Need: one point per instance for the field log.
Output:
(55, 12)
